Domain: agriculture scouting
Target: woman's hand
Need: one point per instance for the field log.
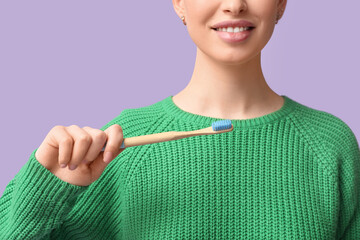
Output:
(69, 146)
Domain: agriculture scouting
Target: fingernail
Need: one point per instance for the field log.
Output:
(107, 157)
(84, 161)
(72, 166)
(63, 165)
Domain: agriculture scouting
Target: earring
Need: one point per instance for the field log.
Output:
(183, 19)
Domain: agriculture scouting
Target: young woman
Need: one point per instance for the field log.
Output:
(285, 171)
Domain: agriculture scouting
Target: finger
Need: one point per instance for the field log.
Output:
(114, 140)
(98, 140)
(65, 142)
(81, 145)
(98, 166)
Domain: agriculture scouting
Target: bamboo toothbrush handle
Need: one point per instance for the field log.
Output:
(169, 136)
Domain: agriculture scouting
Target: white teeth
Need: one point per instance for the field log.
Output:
(231, 29)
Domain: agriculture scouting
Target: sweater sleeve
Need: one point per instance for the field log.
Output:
(349, 187)
(35, 202)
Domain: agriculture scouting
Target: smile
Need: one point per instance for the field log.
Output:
(235, 30)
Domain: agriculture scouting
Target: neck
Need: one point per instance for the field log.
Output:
(228, 91)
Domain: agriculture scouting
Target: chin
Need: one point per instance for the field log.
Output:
(234, 57)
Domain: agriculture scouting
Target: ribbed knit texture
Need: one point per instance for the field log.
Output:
(290, 174)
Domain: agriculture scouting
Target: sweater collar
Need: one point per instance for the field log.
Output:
(171, 108)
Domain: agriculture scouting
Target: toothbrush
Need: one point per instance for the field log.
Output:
(217, 127)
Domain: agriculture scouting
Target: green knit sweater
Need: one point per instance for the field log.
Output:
(290, 174)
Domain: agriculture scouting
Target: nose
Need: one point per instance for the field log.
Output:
(234, 7)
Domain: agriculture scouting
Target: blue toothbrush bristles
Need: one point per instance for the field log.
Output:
(221, 125)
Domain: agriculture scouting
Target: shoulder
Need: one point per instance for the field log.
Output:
(322, 123)
(329, 136)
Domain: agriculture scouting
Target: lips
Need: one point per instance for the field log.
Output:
(234, 37)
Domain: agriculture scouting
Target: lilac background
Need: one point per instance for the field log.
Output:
(82, 62)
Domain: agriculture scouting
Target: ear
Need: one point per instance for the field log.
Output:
(281, 5)
(179, 7)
